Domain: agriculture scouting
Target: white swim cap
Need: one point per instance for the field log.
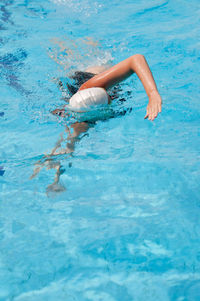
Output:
(87, 98)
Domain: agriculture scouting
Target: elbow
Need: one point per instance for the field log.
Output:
(137, 57)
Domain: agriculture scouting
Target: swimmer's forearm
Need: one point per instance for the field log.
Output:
(140, 66)
(142, 70)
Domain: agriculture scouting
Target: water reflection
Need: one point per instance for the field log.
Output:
(5, 14)
(10, 63)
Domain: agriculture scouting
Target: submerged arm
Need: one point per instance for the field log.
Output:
(134, 64)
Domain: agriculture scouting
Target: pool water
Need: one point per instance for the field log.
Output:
(123, 221)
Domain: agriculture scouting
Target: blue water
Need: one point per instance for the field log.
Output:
(126, 223)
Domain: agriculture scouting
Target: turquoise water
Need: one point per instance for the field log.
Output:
(125, 224)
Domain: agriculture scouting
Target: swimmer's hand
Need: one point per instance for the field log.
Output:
(154, 106)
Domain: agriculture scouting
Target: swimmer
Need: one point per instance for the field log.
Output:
(93, 85)
(93, 92)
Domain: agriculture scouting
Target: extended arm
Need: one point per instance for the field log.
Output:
(134, 64)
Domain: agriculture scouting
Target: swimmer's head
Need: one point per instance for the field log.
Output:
(84, 101)
(88, 98)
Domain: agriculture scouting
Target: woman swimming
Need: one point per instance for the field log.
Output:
(92, 92)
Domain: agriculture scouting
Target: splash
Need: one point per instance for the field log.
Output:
(85, 9)
(78, 54)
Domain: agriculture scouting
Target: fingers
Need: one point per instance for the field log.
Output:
(154, 106)
(152, 113)
(146, 116)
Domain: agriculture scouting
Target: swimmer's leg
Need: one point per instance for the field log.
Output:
(74, 133)
(36, 171)
(58, 145)
(56, 186)
(46, 160)
(76, 130)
